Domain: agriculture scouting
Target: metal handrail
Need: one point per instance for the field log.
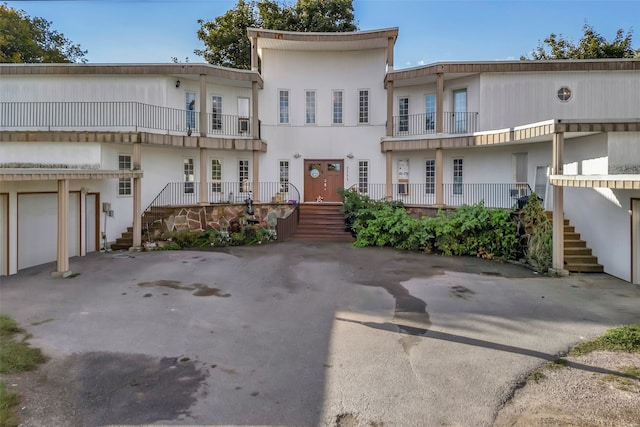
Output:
(425, 123)
(122, 115)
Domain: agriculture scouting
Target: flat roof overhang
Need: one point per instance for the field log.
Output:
(530, 133)
(212, 73)
(28, 174)
(618, 182)
(237, 144)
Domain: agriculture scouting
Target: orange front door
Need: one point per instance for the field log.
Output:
(323, 178)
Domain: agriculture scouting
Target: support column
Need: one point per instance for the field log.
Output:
(137, 199)
(388, 189)
(255, 116)
(558, 206)
(256, 175)
(254, 53)
(439, 177)
(63, 230)
(203, 189)
(440, 103)
(390, 108)
(203, 106)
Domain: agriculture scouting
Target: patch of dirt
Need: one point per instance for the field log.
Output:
(593, 391)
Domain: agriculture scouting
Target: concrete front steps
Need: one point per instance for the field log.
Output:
(321, 222)
(125, 241)
(577, 256)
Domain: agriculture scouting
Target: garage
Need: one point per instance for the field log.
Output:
(38, 228)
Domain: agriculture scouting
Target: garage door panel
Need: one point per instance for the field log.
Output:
(38, 228)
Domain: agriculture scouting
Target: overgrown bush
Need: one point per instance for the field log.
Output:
(469, 230)
(537, 233)
(250, 235)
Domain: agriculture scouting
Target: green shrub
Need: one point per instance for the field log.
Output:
(622, 338)
(538, 234)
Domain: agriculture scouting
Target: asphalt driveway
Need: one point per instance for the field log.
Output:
(296, 334)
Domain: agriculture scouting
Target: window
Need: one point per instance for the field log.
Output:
(189, 172)
(430, 177)
(460, 111)
(124, 184)
(363, 176)
(216, 113)
(564, 94)
(430, 119)
(216, 176)
(337, 107)
(284, 107)
(243, 175)
(190, 101)
(457, 176)
(363, 110)
(403, 113)
(284, 176)
(310, 107)
(243, 115)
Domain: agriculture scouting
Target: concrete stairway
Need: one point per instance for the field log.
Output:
(125, 241)
(321, 222)
(577, 256)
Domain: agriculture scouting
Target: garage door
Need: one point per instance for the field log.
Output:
(38, 228)
(4, 234)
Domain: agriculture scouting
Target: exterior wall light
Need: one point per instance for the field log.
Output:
(297, 155)
(350, 155)
(177, 83)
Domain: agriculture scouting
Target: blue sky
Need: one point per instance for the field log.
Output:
(154, 31)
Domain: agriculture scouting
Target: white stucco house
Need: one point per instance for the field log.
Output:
(85, 148)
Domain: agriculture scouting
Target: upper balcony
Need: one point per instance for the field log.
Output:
(425, 124)
(118, 117)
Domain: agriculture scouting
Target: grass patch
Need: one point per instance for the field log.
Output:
(8, 402)
(536, 377)
(624, 383)
(558, 364)
(15, 356)
(621, 338)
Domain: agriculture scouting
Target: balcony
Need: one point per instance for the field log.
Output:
(425, 124)
(118, 117)
(500, 195)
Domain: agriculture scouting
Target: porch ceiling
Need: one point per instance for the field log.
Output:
(238, 144)
(620, 182)
(531, 133)
(56, 174)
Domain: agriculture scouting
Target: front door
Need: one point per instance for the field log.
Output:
(322, 179)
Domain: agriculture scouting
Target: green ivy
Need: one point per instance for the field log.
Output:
(468, 230)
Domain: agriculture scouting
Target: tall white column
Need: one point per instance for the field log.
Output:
(137, 199)
(63, 230)
(558, 205)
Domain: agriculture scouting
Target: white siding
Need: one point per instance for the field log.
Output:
(512, 99)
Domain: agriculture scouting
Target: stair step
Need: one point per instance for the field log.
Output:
(571, 236)
(576, 250)
(584, 268)
(575, 244)
(581, 259)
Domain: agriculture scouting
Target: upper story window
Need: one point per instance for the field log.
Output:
(363, 106)
(460, 111)
(310, 107)
(403, 113)
(430, 110)
(564, 94)
(337, 107)
(190, 106)
(124, 184)
(283, 101)
(216, 113)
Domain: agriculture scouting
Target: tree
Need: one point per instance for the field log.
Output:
(31, 40)
(225, 38)
(591, 46)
